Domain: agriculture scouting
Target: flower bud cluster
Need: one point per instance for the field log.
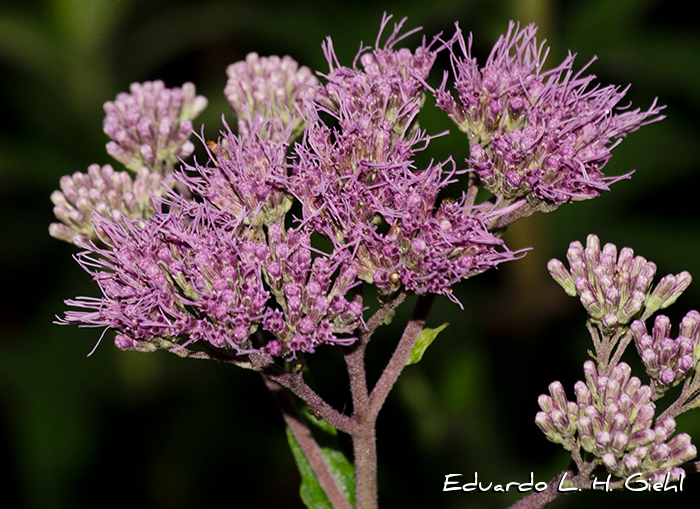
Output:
(151, 126)
(273, 87)
(668, 361)
(313, 311)
(247, 176)
(614, 418)
(100, 191)
(558, 417)
(615, 289)
(543, 135)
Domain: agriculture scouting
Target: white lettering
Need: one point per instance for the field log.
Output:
(471, 486)
(642, 482)
(561, 488)
(527, 486)
(540, 486)
(597, 483)
(448, 482)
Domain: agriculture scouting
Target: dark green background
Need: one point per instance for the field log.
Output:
(155, 431)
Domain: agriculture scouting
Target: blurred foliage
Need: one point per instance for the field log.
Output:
(152, 431)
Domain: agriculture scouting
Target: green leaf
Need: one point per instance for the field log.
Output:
(425, 338)
(342, 470)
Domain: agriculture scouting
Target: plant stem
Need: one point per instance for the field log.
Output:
(363, 438)
(295, 383)
(621, 346)
(308, 445)
(366, 408)
(680, 405)
(364, 444)
(403, 350)
(381, 316)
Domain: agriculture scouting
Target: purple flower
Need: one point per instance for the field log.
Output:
(386, 94)
(535, 134)
(195, 274)
(246, 175)
(313, 308)
(272, 87)
(177, 277)
(358, 184)
(151, 126)
(100, 191)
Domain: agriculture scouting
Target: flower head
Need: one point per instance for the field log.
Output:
(615, 289)
(536, 134)
(177, 277)
(386, 94)
(100, 191)
(151, 126)
(272, 87)
(194, 273)
(358, 184)
(246, 175)
(668, 360)
(614, 419)
(313, 306)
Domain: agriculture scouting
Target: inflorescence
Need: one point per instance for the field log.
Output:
(208, 251)
(613, 418)
(543, 135)
(209, 255)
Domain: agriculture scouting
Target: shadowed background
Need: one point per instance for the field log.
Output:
(156, 431)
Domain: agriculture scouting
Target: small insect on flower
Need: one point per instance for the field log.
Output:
(219, 150)
(394, 278)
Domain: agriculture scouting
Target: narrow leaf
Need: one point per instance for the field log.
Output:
(425, 338)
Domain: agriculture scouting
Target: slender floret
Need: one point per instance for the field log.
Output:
(152, 125)
(272, 87)
(101, 191)
(544, 135)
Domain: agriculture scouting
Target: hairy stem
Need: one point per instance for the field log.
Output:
(265, 365)
(295, 383)
(473, 189)
(681, 404)
(621, 346)
(403, 350)
(364, 444)
(382, 315)
(366, 408)
(308, 445)
(363, 438)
